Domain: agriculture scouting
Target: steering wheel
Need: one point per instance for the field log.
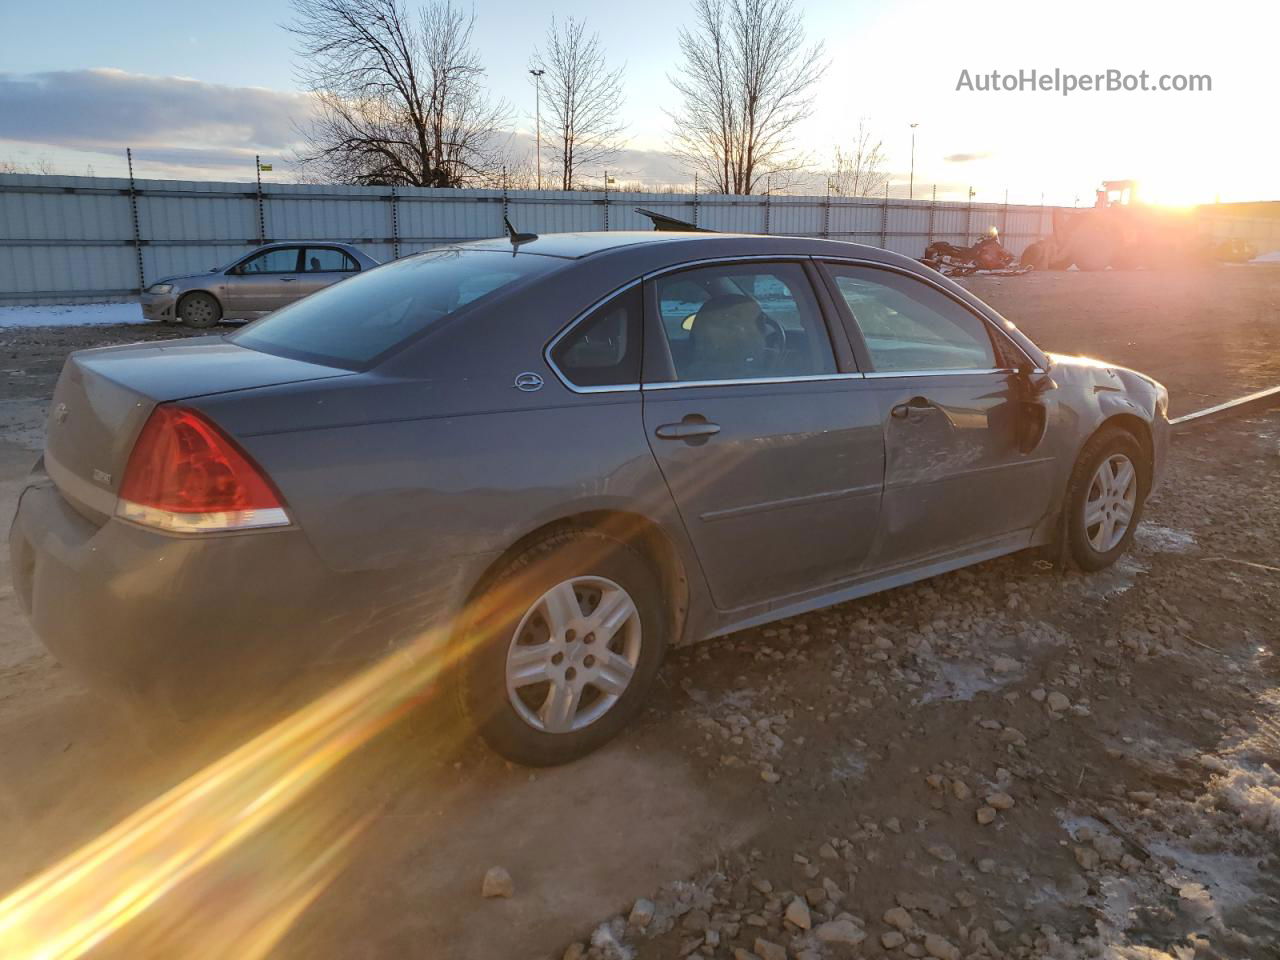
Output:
(775, 342)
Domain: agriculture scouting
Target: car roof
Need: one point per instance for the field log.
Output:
(307, 243)
(576, 246)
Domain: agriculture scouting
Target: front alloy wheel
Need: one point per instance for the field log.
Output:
(1105, 499)
(1109, 506)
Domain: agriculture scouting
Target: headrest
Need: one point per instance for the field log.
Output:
(727, 334)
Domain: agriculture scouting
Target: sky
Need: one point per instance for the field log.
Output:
(198, 89)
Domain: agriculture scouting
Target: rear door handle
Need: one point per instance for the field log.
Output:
(288, 279)
(916, 405)
(686, 430)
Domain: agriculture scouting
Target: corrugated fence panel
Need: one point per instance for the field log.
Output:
(73, 237)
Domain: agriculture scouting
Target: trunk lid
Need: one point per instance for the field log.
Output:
(104, 396)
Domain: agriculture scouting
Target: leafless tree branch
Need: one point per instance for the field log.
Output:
(745, 83)
(399, 95)
(859, 167)
(583, 98)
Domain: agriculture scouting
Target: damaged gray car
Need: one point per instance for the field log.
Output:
(558, 457)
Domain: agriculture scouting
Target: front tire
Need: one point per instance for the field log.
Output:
(199, 310)
(1105, 499)
(561, 648)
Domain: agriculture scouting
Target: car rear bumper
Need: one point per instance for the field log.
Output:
(179, 620)
(159, 306)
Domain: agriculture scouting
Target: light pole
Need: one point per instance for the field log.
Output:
(911, 183)
(537, 113)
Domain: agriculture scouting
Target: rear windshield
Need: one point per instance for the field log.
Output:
(356, 321)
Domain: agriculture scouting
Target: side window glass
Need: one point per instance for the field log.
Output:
(908, 325)
(327, 260)
(604, 348)
(281, 260)
(743, 322)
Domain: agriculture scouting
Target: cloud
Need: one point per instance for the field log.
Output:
(965, 157)
(106, 110)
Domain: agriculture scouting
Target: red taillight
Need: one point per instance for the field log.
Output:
(185, 474)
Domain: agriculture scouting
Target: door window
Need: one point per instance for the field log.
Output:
(328, 260)
(604, 349)
(280, 260)
(743, 321)
(909, 325)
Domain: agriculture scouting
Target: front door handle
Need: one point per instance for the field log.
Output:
(288, 279)
(687, 429)
(916, 406)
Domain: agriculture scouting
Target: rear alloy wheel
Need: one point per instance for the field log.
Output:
(1108, 491)
(566, 641)
(199, 310)
(573, 655)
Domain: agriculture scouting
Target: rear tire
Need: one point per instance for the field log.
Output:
(1096, 504)
(199, 310)
(535, 680)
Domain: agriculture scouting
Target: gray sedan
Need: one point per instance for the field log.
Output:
(545, 463)
(251, 286)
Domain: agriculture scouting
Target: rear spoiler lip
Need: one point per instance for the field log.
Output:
(666, 224)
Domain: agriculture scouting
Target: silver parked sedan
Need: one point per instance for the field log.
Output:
(251, 286)
(544, 463)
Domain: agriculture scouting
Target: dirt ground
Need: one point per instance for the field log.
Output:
(1007, 761)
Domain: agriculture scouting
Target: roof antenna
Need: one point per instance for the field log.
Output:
(517, 238)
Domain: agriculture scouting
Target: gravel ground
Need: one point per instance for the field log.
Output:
(1007, 761)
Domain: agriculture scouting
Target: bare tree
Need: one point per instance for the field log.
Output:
(746, 82)
(398, 95)
(583, 97)
(41, 165)
(859, 167)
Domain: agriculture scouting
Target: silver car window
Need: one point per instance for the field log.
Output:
(327, 260)
(743, 321)
(603, 349)
(351, 324)
(908, 325)
(279, 260)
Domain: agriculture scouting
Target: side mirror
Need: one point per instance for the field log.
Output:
(1032, 415)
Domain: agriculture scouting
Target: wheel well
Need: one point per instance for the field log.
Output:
(190, 293)
(637, 532)
(1140, 430)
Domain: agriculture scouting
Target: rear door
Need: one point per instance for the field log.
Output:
(771, 448)
(262, 282)
(322, 266)
(948, 402)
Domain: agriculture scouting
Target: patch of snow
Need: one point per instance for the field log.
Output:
(850, 765)
(960, 680)
(1164, 539)
(71, 315)
(1114, 580)
(1210, 882)
(1253, 793)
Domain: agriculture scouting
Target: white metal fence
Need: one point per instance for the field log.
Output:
(77, 238)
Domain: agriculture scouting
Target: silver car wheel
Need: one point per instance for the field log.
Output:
(199, 310)
(1108, 507)
(573, 654)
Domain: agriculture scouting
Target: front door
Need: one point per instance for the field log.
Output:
(949, 409)
(263, 282)
(773, 456)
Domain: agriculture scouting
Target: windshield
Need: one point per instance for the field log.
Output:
(352, 323)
